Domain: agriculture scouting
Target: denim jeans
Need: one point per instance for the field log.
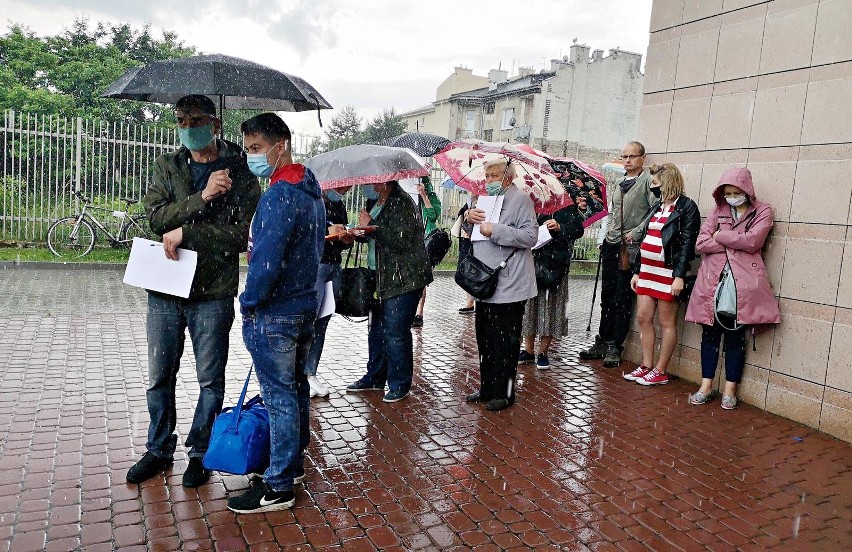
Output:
(327, 272)
(279, 345)
(735, 351)
(390, 356)
(209, 323)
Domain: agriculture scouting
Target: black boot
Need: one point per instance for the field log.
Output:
(613, 355)
(596, 351)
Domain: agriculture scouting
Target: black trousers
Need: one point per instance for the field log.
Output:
(498, 333)
(616, 296)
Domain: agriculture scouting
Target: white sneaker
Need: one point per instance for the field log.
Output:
(317, 388)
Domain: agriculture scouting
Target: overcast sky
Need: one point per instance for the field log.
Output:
(372, 54)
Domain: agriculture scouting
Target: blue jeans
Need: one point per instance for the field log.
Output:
(735, 350)
(327, 272)
(209, 323)
(279, 345)
(391, 350)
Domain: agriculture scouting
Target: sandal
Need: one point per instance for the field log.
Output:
(700, 398)
(729, 402)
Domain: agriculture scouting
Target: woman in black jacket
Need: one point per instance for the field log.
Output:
(668, 245)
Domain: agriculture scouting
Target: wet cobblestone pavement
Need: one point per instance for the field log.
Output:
(583, 461)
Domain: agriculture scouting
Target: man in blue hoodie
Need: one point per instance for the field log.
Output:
(279, 304)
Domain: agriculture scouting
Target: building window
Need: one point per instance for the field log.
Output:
(488, 135)
(489, 108)
(508, 119)
(470, 120)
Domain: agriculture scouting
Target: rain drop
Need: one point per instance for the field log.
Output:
(796, 522)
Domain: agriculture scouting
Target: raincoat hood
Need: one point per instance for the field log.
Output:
(735, 176)
(295, 175)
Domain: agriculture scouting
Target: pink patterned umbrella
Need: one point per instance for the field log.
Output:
(464, 162)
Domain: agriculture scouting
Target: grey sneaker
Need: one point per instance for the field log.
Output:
(729, 402)
(596, 351)
(613, 355)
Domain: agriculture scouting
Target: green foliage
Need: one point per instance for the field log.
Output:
(66, 73)
(344, 129)
(384, 126)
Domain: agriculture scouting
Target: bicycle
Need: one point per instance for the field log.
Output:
(74, 236)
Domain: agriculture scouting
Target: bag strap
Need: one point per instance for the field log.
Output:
(502, 265)
(235, 421)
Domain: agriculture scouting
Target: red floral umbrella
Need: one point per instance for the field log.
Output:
(465, 161)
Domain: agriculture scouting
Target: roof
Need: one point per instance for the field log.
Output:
(529, 83)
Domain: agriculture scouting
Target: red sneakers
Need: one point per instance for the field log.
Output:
(653, 378)
(637, 373)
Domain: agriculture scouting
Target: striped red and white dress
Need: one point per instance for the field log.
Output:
(654, 278)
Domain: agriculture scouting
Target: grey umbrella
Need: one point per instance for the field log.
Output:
(365, 164)
(234, 83)
(422, 143)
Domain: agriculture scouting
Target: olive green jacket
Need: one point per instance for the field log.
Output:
(217, 230)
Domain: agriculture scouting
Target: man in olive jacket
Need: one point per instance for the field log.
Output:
(202, 198)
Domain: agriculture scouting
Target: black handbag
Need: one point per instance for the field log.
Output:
(549, 271)
(357, 288)
(437, 244)
(477, 278)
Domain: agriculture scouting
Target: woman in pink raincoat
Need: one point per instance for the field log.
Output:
(733, 233)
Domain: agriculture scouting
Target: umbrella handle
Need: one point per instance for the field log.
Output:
(316, 101)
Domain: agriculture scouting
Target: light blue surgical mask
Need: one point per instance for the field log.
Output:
(370, 193)
(196, 138)
(333, 195)
(494, 188)
(259, 165)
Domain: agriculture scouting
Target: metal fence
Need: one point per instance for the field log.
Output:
(46, 157)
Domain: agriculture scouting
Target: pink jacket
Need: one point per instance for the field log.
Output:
(740, 244)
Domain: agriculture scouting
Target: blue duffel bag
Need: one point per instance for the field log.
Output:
(239, 442)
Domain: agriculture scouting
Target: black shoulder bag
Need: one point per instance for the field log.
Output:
(477, 278)
(357, 287)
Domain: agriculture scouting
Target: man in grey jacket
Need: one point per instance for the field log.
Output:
(631, 200)
(499, 318)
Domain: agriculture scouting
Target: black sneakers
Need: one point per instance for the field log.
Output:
(261, 499)
(613, 355)
(196, 474)
(147, 467)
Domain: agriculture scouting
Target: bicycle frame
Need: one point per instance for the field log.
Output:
(126, 220)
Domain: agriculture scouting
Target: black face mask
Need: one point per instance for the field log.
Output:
(656, 191)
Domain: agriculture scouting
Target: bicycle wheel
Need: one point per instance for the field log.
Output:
(67, 246)
(137, 227)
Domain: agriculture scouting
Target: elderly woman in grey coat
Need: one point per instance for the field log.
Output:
(499, 318)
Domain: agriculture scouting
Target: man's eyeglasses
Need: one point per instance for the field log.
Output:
(627, 157)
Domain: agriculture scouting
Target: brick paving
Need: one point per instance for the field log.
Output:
(584, 461)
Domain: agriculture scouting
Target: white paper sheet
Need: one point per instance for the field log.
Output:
(544, 237)
(327, 307)
(410, 186)
(492, 205)
(149, 268)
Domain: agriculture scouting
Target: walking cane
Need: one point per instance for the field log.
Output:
(594, 294)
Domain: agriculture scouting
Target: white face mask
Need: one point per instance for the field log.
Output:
(736, 201)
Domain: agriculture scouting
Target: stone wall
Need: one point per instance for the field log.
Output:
(767, 85)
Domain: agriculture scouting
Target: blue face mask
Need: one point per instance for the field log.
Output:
(333, 195)
(370, 193)
(259, 165)
(494, 188)
(196, 138)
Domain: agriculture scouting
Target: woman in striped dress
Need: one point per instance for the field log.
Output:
(668, 246)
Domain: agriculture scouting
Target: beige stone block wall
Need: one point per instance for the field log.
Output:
(767, 85)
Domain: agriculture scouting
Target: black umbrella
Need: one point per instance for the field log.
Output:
(236, 83)
(422, 143)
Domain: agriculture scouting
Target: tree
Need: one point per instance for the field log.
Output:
(344, 129)
(384, 126)
(66, 73)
